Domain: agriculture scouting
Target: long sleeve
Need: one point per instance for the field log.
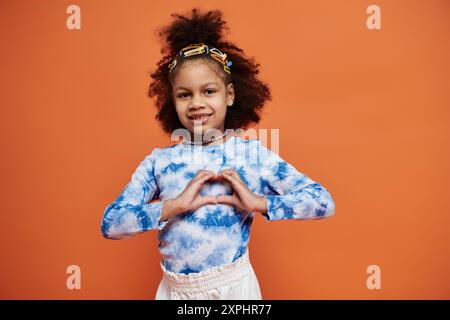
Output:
(289, 193)
(130, 213)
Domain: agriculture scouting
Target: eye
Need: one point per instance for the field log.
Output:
(211, 91)
(182, 95)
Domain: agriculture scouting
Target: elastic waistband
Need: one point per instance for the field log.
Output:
(213, 277)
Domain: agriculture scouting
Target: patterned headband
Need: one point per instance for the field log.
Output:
(201, 48)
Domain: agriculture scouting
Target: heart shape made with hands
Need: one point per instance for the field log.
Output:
(217, 186)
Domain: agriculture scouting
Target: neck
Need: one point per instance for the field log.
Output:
(206, 142)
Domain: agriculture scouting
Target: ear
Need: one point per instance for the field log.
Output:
(230, 94)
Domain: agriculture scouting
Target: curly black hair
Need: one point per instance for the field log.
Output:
(250, 92)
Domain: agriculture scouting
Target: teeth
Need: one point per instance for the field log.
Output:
(201, 117)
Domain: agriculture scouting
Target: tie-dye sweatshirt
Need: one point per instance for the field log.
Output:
(214, 234)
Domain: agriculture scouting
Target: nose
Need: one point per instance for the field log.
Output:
(197, 102)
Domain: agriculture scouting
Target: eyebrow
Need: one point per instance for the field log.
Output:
(206, 84)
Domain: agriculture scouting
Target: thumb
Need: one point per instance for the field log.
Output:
(225, 199)
(209, 200)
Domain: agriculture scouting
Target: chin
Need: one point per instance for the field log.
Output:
(204, 128)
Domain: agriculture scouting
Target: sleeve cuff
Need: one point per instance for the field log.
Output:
(268, 214)
(276, 209)
(160, 224)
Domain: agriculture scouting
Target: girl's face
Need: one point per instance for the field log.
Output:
(196, 90)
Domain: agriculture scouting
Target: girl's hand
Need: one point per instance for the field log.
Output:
(242, 198)
(190, 198)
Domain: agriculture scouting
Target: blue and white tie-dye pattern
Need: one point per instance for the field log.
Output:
(213, 234)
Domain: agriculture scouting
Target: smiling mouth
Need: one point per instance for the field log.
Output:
(200, 118)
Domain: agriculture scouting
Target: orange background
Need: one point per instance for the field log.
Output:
(363, 112)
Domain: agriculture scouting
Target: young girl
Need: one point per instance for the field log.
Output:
(212, 182)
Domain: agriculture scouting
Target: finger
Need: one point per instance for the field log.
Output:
(195, 184)
(235, 183)
(209, 200)
(225, 199)
(228, 171)
(198, 183)
(236, 175)
(206, 175)
(233, 174)
(201, 201)
(203, 173)
(215, 177)
(199, 175)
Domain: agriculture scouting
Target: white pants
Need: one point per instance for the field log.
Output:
(235, 280)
